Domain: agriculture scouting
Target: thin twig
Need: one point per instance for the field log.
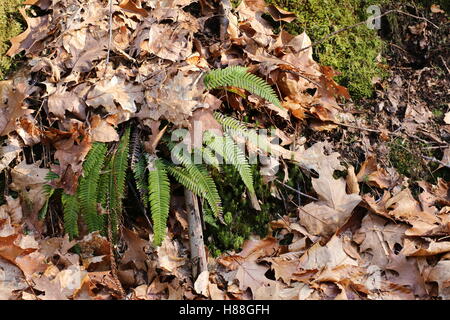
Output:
(436, 160)
(356, 127)
(110, 33)
(295, 190)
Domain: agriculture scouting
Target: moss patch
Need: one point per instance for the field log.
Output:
(10, 26)
(241, 219)
(354, 52)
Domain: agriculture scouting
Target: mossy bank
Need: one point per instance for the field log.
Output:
(356, 53)
(10, 26)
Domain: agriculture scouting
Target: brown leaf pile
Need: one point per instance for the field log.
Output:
(342, 246)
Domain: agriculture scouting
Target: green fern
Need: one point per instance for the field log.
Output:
(117, 168)
(237, 76)
(159, 198)
(236, 128)
(88, 187)
(48, 191)
(206, 183)
(183, 176)
(210, 158)
(139, 168)
(71, 208)
(232, 154)
(229, 123)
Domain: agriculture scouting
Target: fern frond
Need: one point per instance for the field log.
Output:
(88, 187)
(103, 185)
(182, 175)
(210, 158)
(116, 186)
(51, 176)
(202, 177)
(238, 76)
(232, 154)
(139, 170)
(230, 123)
(71, 208)
(159, 198)
(236, 128)
(48, 191)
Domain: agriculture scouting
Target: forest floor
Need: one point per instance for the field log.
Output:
(360, 205)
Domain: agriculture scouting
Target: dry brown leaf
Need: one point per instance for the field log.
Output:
(244, 266)
(102, 131)
(176, 99)
(131, 6)
(447, 118)
(11, 279)
(335, 206)
(170, 258)
(331, 255)
(407, 274)
(435, 8)
(283, 268)
(279, 14)
(404, 207)
(60, 100)
(9, 152)
(12, 105)
(424, 247)
(169, 43)
(378, 238)
(28, 180)
(30, 39)
(202, 283)
(108, 92)
(71, 153)
(352, 181)
(373, 175)
(440, 274)
(135, 252)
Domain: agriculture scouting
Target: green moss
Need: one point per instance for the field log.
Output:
(10, 26)
(406, 157)
(354, 52)
(241, 219)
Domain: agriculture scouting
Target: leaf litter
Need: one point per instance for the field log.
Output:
(346, 244)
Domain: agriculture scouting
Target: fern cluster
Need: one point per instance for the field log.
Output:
(101, 189)
(98, 199)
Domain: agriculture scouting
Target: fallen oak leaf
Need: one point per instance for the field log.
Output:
(60, 100)
(373, 175)
(11, 280)
(131, 6)
(102, 131)
(335, 206)
(30, 39)
(106, 92)
(424, 247)
(136, 248)
(244, 265)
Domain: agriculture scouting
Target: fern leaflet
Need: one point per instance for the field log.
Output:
(202, 177)
(238, 76)
(230, 151)
(159, 198)
(71, 208)
(87, 190)
(118, 167)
